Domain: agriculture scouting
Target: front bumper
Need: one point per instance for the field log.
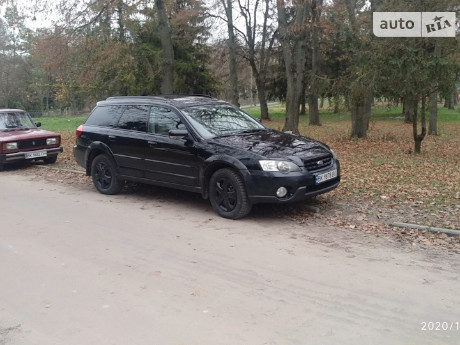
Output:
(21, 156)
(262, 186)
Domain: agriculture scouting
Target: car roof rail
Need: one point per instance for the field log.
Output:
(180, 95)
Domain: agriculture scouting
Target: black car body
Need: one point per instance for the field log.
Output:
(22, 140)
(203, 145)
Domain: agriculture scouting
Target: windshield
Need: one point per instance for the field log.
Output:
(15, 120)
(218, 120)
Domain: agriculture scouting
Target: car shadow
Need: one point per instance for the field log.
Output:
(191, 200)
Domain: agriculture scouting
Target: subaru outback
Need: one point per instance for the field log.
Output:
(204, 145)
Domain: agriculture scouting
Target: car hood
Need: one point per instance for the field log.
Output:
(33, 133)
(275, 144)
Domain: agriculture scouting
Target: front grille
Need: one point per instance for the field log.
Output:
(318, 163)
(31, 144)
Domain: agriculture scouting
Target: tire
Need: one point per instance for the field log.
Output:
(227, 194)
(50, 159)
(104, 175)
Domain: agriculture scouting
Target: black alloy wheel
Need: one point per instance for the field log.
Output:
(104, 176)
(228, 194)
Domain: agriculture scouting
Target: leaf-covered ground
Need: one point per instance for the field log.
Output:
(382, 181)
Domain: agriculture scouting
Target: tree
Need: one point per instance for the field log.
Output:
(167, 46)
(315, 63)
(292, 25)
(361, 71)
(433, 101)
(15, 72)
(418, 67)
(189, 33)
(257, 54)
(231, 43)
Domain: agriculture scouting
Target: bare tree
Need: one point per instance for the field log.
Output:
(234, 94)
(258, 54)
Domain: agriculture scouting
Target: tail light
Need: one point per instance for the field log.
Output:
(79, 131)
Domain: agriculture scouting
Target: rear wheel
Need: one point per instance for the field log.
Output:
(227, 194)
(104, 175)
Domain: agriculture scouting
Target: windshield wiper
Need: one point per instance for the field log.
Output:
(252, 130)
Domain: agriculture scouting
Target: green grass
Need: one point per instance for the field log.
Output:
(61, 124)
(379, 113)
(277, 113)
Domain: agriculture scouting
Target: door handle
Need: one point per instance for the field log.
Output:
(112, 138)
(153, 144)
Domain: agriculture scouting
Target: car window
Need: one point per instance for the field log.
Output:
(134, 118)
(218, 120)
(105, 116)
(162, 120)
(15, 120)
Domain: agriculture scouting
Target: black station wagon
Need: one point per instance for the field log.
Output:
(203, 145)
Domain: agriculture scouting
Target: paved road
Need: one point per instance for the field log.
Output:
(81, 268)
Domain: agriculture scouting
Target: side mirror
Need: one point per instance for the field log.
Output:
(178, 133)
(38, 124)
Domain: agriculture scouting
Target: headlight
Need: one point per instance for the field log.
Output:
(51, 141)
(281, 166)
(10, 146)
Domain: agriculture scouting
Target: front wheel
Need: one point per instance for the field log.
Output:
(227, 194)
(104, 176)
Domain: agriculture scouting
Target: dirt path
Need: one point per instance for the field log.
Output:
(82, 268)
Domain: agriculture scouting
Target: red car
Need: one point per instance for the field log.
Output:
(21, 140)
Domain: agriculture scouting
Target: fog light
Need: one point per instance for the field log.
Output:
(281, 192)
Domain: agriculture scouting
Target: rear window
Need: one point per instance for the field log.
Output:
(134, 118)
(105, 116)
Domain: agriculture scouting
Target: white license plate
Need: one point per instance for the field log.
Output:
(35, 154)
(326, 176)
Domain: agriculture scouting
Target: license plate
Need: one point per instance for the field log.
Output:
(35, 154)
(326, 176)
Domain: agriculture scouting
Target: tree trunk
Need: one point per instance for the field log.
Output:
(418, 138)
(167, 47)
(313, 109)
(433, 117)
(234, 94)
(293, 41)
(291, 123)
(121, 21)
(303, 105)
(313, 94)
(409, 110)
(360, 115)
(260, 83)
(336, 104)
(452, 101)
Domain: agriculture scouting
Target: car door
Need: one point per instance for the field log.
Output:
(128, 142)
(170, 161)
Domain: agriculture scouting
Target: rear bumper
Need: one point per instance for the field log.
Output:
(21, 156)
(79, 154)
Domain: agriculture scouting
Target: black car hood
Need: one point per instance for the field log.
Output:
(275, 144)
